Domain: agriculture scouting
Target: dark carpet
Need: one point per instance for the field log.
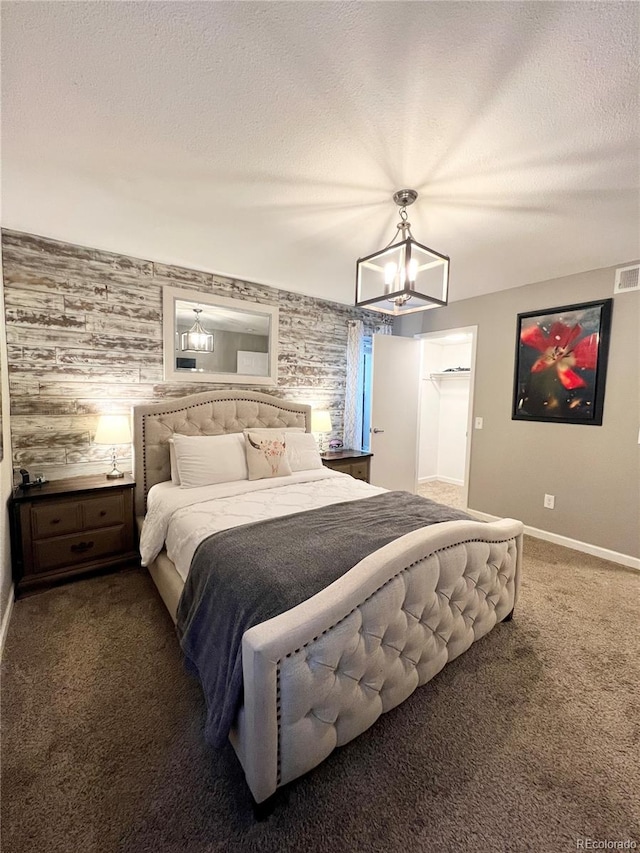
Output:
(528, 741)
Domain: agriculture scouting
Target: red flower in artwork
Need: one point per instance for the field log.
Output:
(560, 350)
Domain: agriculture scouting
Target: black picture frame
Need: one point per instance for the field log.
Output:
(561, 363)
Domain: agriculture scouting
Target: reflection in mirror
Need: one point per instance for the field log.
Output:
(216, 339)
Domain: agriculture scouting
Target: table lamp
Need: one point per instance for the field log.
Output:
(320, 424)
(113, 430)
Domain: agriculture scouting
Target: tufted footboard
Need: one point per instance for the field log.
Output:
(320, 674)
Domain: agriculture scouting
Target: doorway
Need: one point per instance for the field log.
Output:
(446, 396)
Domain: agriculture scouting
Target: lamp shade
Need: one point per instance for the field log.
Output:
(320, 421)
(113, 429)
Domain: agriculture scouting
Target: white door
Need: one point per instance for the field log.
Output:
(394, 412)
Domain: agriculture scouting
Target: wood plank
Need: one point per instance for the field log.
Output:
(50, 373)
(48, 438)
(26, 317)
(36, 300)
(22, 388)
(31, 357)
(114, 308)
(181, 275)
(97, 391)
(33, 458)
(113, 322)
(96, 406)
(152, 374)
(41, 405)
(114, 357)
(24, 280)
(17, 334)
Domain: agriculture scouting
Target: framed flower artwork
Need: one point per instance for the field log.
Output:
(561, 363)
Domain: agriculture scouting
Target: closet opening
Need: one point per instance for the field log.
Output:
(446, 396)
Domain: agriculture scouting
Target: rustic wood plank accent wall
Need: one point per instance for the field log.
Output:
(84, 337)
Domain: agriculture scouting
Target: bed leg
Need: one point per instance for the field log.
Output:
(508, 617)
(264, 810)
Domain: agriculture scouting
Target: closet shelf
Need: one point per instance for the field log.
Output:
(450, 374)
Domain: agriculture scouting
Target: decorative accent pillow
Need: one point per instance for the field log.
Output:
(266, 453)
(302, 452)
(205, 460)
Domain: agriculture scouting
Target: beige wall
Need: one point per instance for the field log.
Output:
(594, 472)
(5, 471)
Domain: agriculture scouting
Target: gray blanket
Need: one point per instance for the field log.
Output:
(246, 575)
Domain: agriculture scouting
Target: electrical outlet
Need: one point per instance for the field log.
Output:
(549, 501)
(478, 423)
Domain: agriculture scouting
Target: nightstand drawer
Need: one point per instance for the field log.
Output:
(360, 470)
(55, 519)
(103, 512)
(66, 551)
(343, 467)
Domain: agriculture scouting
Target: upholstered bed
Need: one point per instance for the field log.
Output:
(320, 673)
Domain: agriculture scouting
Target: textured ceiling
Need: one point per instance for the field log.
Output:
(265, 140)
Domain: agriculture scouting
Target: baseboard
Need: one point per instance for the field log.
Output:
(566, 542)
(5, 621)
(433, 477)
(430, 479)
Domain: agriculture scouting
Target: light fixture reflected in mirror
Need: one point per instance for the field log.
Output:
(405, 276)
(196, 339)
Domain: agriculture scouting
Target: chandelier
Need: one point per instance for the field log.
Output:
(405, 276)
(196, 339)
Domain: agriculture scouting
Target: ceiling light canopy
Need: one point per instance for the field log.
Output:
(405, 276)
(196, 339)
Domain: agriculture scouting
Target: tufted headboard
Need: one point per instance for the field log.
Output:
(209, 413)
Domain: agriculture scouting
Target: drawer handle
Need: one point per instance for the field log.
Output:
(81, 547)
(55, 521)
(103, 512)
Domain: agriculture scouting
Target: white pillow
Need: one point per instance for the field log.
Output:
(175, 476)
(302, 452)
(205, 460)
(266, 451)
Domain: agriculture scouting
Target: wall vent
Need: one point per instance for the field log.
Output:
(627, 279)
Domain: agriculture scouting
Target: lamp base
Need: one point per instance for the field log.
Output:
(114, 473)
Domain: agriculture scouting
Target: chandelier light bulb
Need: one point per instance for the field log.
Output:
(390, 275)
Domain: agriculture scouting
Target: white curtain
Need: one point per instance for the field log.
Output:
(353, 395)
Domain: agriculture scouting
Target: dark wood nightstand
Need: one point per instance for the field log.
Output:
(357, 463)
(67, 528)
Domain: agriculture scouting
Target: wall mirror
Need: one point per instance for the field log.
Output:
(217, 339)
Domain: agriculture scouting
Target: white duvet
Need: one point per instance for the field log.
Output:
(181, 518)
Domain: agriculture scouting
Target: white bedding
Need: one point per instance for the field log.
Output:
(182, 518)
